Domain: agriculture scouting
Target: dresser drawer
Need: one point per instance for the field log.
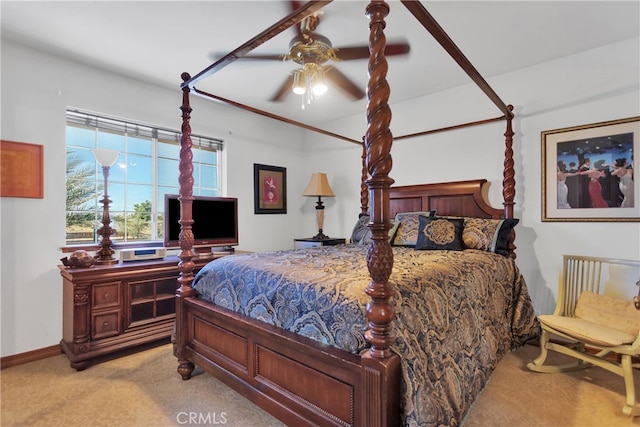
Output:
(105, 295)
(105, 324)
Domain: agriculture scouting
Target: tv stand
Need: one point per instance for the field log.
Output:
(108, 308)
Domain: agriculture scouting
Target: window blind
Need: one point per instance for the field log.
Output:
(110, 124)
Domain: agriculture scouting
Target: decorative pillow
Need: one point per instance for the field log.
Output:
(610, 312)
(405, 227)
(360, 229)
(440, 233)
(366, 237)
(489, 235)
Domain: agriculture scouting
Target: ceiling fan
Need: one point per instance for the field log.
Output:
(312, 51)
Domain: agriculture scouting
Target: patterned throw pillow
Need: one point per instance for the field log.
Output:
(610, 312)
(405, 227)
(489, 235)
(366, 237)
(360, 229)
(436, 233)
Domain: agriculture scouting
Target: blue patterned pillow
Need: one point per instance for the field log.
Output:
(360, 229)
(405, 228)
(437, 233)
(366, 238)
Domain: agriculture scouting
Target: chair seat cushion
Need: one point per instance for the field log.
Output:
(600, 320)
(586, 331)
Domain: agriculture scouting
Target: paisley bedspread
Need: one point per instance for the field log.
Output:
(457, 313)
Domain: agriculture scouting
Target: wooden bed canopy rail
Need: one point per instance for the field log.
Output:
(379, 366)
(431, 25)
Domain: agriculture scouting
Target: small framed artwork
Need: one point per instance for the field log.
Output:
(21, 166)
(269, 189)
(588, 172)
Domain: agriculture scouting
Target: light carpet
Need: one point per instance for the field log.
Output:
(143, 389)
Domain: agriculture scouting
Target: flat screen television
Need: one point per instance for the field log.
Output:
(215, 222)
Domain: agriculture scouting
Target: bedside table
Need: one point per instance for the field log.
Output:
(310, 243)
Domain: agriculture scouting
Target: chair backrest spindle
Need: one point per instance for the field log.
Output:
(581, 274)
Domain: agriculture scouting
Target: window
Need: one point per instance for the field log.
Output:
(146, 170)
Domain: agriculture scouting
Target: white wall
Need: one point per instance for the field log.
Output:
(598, 85)
(36, 88)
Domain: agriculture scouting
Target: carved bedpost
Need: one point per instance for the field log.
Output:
(378, 141)
(381, 405)
(364, 190)
(508, 181)
(186, 265)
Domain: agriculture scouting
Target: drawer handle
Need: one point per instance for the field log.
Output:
(106, 294)
(105, 324)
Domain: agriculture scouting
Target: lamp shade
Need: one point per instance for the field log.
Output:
(318, 186)
(105, 157)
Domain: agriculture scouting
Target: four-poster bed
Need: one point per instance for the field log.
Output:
(307, 378)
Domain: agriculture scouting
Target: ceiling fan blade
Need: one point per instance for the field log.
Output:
(253, 57)
(343, 82)
(362, 52)
(394, 49)
(283, 90)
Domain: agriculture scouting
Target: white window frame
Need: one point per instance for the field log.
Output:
(100, 123)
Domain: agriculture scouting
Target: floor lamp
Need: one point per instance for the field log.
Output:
(319, 187)
(106, 158)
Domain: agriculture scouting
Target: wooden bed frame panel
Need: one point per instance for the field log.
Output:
(292, 377)
(461, 198)
(301, 381)
(298, 380)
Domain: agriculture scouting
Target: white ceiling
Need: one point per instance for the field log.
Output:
(158, 40)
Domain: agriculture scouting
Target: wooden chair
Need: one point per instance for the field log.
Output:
(596, 320)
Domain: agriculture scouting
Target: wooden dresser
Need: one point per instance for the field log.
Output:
(114, 307)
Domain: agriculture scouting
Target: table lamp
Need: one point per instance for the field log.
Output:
(319, 187)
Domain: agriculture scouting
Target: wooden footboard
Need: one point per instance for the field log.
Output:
(296, 379)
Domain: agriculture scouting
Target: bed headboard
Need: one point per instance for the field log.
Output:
(460, 198)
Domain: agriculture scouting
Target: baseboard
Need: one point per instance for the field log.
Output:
(29, 356)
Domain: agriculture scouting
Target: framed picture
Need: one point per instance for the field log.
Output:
(588, 172)
(269, 189)
(21, 166)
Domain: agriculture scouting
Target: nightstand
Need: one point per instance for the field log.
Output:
(310, 243)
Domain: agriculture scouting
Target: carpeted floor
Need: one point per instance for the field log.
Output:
(144, 389)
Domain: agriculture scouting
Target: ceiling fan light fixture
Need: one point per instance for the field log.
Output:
(318, 83)
(309, 81)
(299, 84)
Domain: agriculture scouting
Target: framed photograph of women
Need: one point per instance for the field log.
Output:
(588, 172)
